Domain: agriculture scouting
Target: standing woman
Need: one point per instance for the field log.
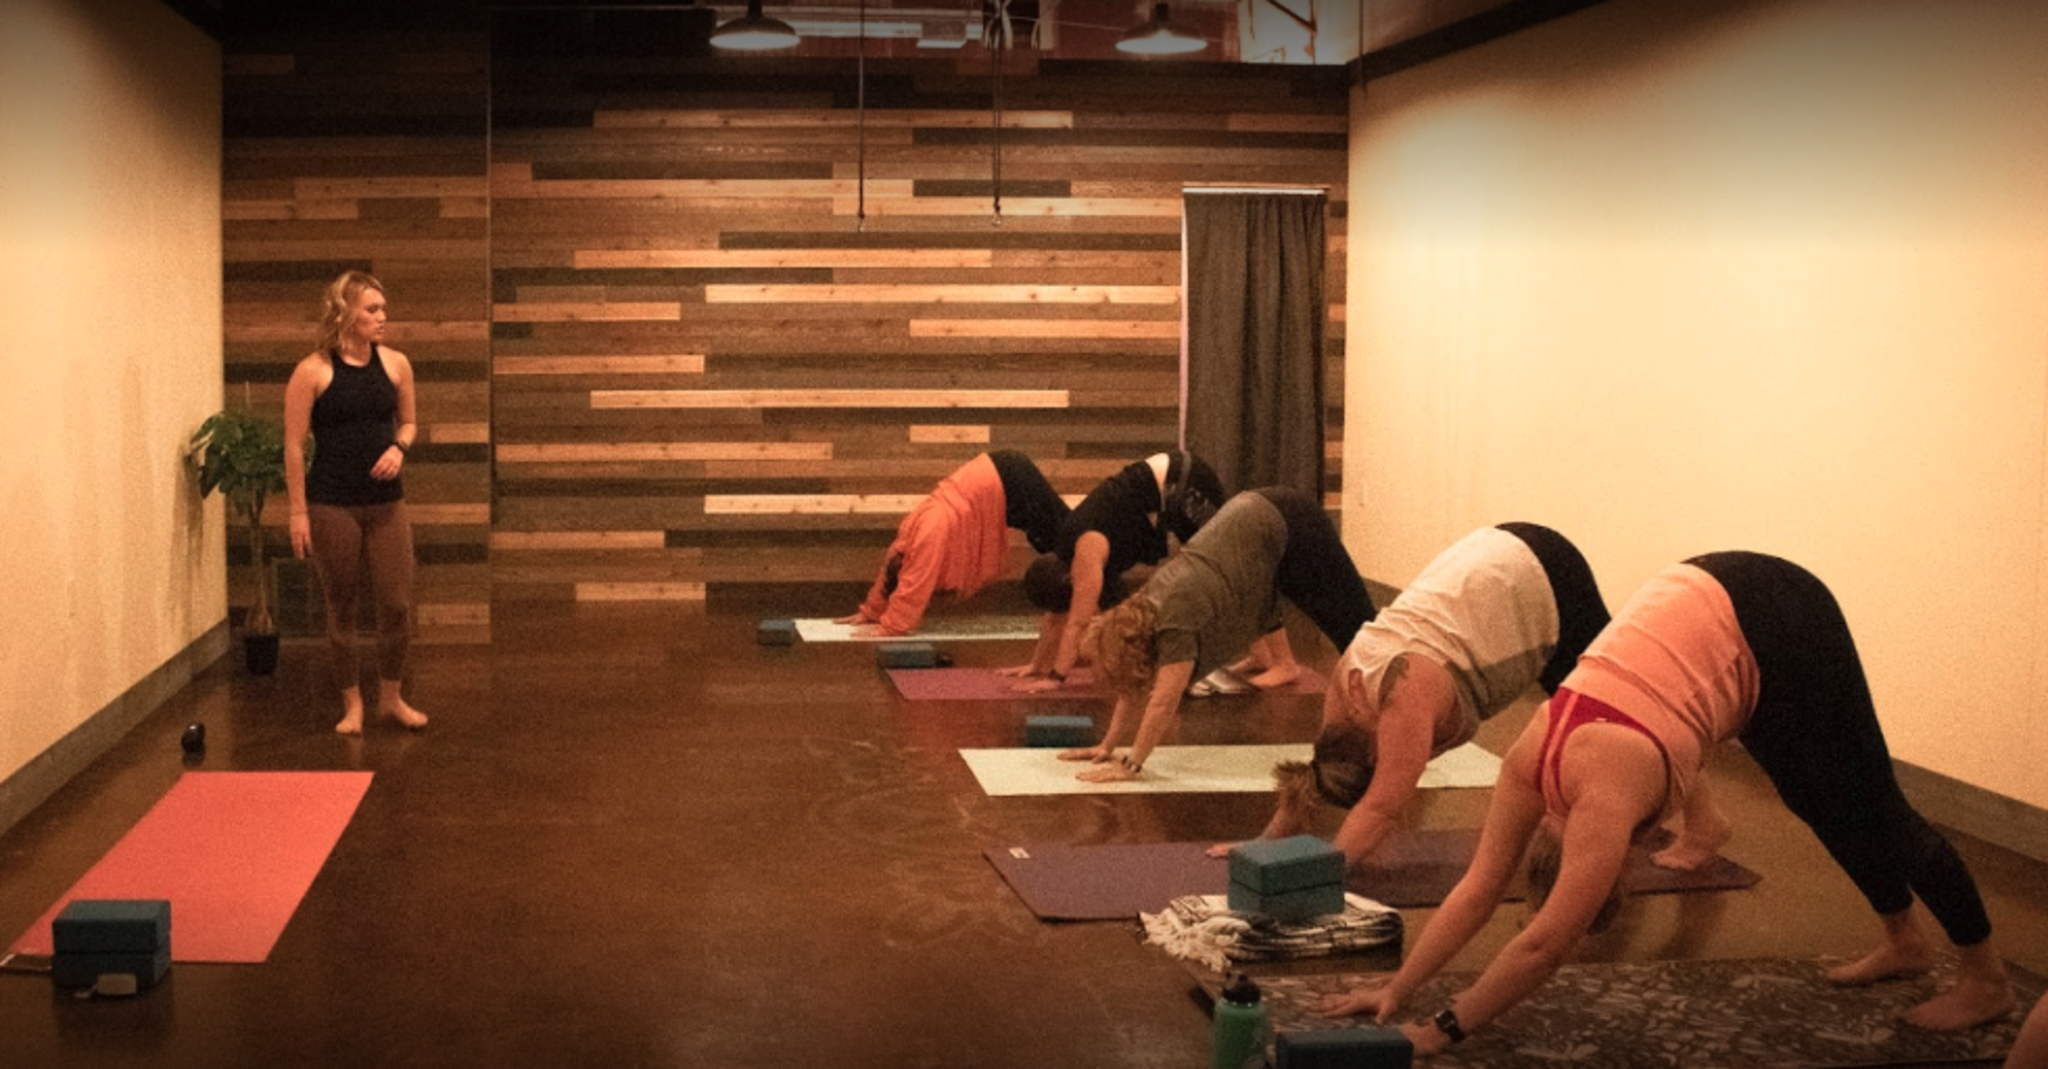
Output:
(1216, 599)
(1725, 646)
(355, 398)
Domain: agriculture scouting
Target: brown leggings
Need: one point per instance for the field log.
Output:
(345, 539)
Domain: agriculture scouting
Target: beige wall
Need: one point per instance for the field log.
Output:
(1769, 275)
(110, 294)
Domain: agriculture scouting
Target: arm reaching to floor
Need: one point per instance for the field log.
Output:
(1162, 710)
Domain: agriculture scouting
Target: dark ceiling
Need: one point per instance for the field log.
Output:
(1389, 34)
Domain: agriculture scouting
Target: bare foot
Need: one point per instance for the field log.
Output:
(1694, 847)
(1277, 676)
(351, 722)
(404, 714)
(1889, 959)
(1971, 1001)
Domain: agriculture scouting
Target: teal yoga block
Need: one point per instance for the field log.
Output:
(776, 633)
(112, 926)
(1289, 879)
(84, 970)
(1296, 905)
(1063, 731)
(907, 655)
(1276, 866)
(1371, 1047)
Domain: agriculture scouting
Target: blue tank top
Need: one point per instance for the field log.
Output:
(353, 426)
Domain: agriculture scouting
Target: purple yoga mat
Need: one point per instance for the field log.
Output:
(1412, 869)
(983, 685)
(1110, 881)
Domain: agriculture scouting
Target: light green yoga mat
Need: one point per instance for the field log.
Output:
(1185, 769)
(933, 629)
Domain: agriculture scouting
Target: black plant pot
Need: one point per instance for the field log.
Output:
(261, 653)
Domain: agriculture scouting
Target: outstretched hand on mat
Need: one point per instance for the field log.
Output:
(1379, 1001)
(1098, 754)
(1111, 772)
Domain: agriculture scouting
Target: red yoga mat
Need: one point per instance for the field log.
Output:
(984, 685)
(233, 852)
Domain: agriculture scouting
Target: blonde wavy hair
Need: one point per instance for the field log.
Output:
(1295, 781)
(1120, 643)
(338, 303)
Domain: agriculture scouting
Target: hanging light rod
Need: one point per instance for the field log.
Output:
(1156, 38)
(754, 32)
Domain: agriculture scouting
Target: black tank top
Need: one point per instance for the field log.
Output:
(352, 427)
(1121, 509)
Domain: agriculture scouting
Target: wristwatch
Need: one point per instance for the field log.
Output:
(1446, 1021)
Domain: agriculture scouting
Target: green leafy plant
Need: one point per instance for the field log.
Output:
(241, 454)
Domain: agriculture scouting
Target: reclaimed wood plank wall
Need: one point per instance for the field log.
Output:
(701, 329)
(742, 322)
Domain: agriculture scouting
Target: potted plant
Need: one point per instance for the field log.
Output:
(241, 453)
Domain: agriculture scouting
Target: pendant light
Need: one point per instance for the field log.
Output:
(1156, 38)
(754, 33)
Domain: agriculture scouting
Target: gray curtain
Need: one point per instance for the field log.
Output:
(1255, 310)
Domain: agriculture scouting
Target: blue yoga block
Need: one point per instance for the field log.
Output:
(1062, 731)
(1371, 1047)
(776, 633)
(1299, 904)
(84, 970)
(1275, 866)
(112, 926)
(907, 655)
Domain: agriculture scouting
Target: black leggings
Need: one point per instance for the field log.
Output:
(1029, 502)
(1315, 571)
(1816, 734)
(1581, 611)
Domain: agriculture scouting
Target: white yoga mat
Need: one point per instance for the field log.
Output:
(1470, 765)
(1193, 769)
(956, 629)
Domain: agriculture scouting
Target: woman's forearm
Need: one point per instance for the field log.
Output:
(1518, 970)
(1465, 910)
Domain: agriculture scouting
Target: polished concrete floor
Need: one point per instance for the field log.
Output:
(632, 837)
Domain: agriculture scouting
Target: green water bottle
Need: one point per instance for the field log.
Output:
(1240, 1026)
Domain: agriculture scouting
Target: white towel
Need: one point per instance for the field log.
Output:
(1203, 929)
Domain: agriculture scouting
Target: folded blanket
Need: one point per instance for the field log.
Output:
(1203, 929)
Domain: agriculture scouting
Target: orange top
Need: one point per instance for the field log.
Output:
(1674, 660)
(956, 539)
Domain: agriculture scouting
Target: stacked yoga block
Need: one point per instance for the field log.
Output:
(1289, 879)
(1370, 1047)
(907, 655)
(97, 937)
(1067, 732)
(776, 633)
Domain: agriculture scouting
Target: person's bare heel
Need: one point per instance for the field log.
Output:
(392, 706)
(405, 714)
(351, 722)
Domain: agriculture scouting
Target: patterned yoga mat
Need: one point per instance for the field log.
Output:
(1754, 1013)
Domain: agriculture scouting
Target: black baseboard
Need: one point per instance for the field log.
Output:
(36, 781)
